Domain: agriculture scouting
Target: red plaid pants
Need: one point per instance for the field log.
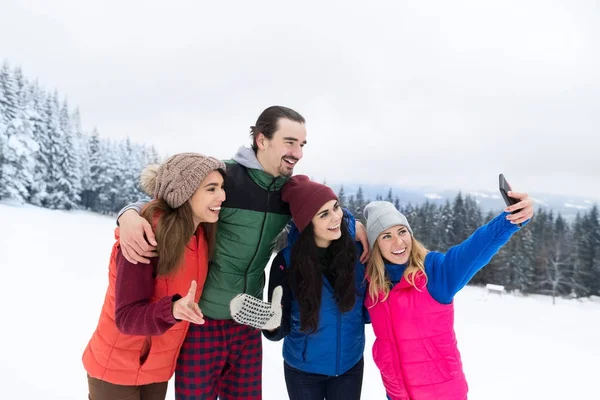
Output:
(220, 358)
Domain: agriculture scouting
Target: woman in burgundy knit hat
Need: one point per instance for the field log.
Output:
(319, 282)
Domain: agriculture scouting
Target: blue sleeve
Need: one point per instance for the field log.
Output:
(351, 222)
(137, 206)
(450, 272)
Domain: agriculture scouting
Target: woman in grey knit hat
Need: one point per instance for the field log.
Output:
(148, 307)
(410, 299)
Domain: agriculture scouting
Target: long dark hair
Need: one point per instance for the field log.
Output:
(306, 277)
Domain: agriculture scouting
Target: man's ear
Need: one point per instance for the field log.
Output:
(261, 140)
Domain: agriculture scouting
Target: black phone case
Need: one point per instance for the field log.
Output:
(504, 189)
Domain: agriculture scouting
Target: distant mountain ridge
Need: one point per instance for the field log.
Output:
(566, 205)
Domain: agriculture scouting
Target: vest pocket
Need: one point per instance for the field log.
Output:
(145, 352)
(448, 352)
(440, 362)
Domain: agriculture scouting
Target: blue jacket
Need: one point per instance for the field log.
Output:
(339, 341)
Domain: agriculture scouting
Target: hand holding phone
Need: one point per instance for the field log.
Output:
(504, 189)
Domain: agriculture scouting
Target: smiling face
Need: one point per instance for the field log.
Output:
(326, 223)
(206, 200)
(279, 155)
(395, 244)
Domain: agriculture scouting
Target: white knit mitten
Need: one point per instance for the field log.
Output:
(249, 310)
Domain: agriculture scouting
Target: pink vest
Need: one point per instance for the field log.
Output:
(415, 347)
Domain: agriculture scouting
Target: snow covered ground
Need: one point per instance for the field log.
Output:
(54, 272)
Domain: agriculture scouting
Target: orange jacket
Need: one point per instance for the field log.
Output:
(139, 360)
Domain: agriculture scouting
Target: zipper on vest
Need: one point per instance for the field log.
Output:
(339, 344)
(304, 347)
(262, 228)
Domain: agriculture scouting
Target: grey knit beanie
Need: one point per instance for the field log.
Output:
(380, 216)
(176, 180)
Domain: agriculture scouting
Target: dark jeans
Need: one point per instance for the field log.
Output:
(307, 386)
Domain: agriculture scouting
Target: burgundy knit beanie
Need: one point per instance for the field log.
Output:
(305, 197)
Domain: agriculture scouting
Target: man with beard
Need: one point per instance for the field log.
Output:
(221, 357)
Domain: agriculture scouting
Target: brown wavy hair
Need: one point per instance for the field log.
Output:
(173, 228)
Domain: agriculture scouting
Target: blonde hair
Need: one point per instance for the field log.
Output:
(379, 283)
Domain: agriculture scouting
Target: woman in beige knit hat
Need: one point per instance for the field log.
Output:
(148, 307)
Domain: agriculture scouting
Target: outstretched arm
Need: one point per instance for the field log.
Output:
(137, 207)
(448, 273)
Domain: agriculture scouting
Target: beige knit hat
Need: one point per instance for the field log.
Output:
(176, 180)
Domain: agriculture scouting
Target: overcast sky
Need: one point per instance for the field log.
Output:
(419, 93)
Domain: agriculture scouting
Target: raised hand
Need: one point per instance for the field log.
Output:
(524, 208)
(186, 308)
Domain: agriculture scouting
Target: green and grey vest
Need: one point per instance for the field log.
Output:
(250, 219)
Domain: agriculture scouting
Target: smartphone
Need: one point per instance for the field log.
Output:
(504, 189)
